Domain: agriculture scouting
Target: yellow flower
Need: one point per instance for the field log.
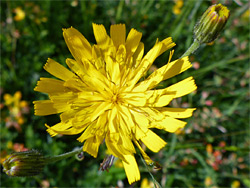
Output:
(147, 184)
(15, 100)
(235, 184)
(16, 106)
(209, 148)
(208, 181)
(9, 144)
(177, 7)
(102, 97)
(20, 14)
(245, 16)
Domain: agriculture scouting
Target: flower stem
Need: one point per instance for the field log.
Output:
(56, 158)
(156, 184)
(192, 48)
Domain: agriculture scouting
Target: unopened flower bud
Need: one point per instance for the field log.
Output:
(211, 23)
(26, 163)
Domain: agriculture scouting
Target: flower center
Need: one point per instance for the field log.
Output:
(115, 98)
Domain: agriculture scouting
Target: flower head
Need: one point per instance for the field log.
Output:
(103, 98)
(16, 109)
(25, 163)
(211, 23)
(177, 7)
(20, 14)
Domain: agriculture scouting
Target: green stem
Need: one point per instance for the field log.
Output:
(192, 48)
(156, 184)
(52, 159)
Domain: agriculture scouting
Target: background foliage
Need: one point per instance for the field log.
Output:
(212, 150)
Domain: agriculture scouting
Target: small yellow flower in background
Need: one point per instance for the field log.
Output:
(20, 14)
(147, 184)
(9, 144)
(177, 7)
(208, 181)
(103, 97)
(209, 148)
(16, 109)
(245, 16)
(235, 184)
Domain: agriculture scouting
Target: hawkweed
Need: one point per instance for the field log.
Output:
(102, 97)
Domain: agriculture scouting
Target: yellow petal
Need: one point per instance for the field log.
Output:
(113, 69)
(47, 107)
(101, 37)
(65, 97)
(64, 128)
(99, 109)
(140, 119)
(131, 169)
(124, 124)
(127, 143)
(78, 45)
(152, 98)
(118, 34)
(81, 122)
(75, 66)
(112, 123)
(65, 116)
(60, 126)
(58, 70)
(100, 128)
(87, 133)
(153, 113)
(166, 44)
(159, 100)
(133, 40)
(115, 149)
(136, 99)
(98, 61)
(49, 85)
(153, 141)
(140, 132)
(176, 67)
(177, 112)
(167, 71)
(91, 145)
(50, 131)
(127, 117)
(143, 67)
(168, 124)
(75, 84)
(121, 55)
(138, 54)
(145, 156)
(96, 80)
(142, 123)
(183, 87)
(89, 96)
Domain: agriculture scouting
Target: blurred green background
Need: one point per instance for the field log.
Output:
(211, 151)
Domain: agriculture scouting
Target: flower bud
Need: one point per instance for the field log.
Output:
(26, 163)
(211, 23)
